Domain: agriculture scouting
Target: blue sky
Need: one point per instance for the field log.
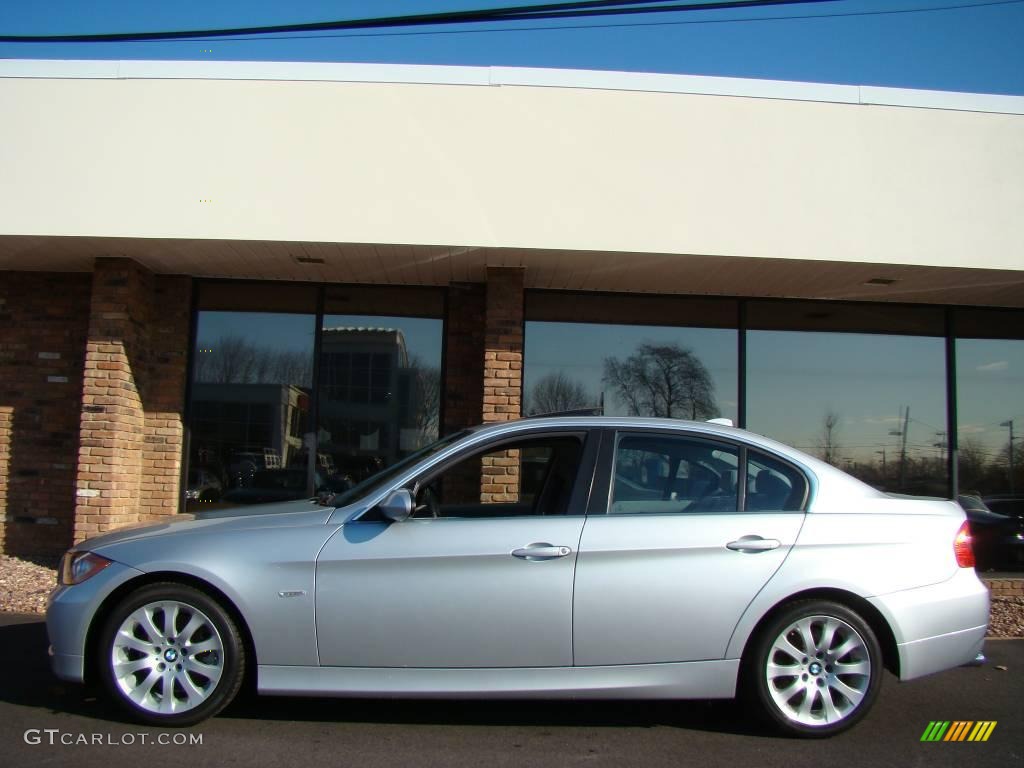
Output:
(976, 46)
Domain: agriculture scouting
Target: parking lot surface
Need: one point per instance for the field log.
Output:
(45, 722)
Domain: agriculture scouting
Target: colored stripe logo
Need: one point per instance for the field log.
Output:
(958, 730)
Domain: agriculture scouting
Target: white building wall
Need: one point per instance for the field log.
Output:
(530, 166)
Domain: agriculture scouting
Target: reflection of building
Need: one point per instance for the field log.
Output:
(786, 222)
(368, 398)
(238, 429)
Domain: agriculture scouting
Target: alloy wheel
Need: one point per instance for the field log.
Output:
(818, 670)
(167, 657)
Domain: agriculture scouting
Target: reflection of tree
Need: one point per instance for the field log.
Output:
(556, 392)
(985, 472)
(829, 445)
(973, 465)
(235, 360)
(426, 401)
(664, 380)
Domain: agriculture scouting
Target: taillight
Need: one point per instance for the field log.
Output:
(962, 546)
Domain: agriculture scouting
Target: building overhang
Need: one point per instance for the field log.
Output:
(402, 264)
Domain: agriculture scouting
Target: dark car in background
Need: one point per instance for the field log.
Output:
(1010, 504)
(203, 485)
(998, 538)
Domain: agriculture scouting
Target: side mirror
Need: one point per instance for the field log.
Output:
(397, 505)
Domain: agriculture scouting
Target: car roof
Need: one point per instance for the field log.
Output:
(641, 422)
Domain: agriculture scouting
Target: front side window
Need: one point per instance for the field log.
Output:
(664, 474)
(528, 477)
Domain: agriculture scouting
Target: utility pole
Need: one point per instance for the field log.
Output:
(941, 445)
(1010, 425)
(903, 450)
(905, 413)
(883, 461)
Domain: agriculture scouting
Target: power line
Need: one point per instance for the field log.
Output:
(590, 8)
(633, 25)
(266, 33)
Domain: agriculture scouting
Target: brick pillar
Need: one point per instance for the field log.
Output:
(503, 344)
(129, 460)
(464, 356)
(503, 375)
(164, 397)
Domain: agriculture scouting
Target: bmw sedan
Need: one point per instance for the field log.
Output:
(582, 557)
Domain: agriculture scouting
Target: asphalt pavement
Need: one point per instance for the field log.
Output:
(46, 722)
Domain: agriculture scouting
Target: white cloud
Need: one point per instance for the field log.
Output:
(883, 420)
(998, 365)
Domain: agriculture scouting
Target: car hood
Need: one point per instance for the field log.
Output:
(286, 514)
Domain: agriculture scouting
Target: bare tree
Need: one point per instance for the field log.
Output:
(556, 392)
(230, 361)
(972, 464)
(829, 445)
(234, 360)
(426, 382)
(665, 380)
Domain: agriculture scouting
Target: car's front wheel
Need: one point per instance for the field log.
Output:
(170, 655)
(815, 669)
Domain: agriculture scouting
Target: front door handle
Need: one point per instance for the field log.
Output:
(753, 544)
(540, 551)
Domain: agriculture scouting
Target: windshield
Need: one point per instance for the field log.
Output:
(375, 482)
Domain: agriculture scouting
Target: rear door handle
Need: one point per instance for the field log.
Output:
(753, 544)
(540, 551)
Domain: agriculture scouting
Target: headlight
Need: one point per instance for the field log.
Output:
(76, 567)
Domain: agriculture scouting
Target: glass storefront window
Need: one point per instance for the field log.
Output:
(990, 407)
(380, 392)
(252, 382)
(634, 370)
(871, 404)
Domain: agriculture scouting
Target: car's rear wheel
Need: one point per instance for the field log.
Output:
(815, 669)
(170, 655)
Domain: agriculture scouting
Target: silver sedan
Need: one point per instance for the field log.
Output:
(578, 557)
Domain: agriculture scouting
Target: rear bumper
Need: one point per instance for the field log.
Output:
(937, 627)
(934, 654)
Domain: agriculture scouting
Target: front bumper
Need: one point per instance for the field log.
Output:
(70, 613)
(937, 627)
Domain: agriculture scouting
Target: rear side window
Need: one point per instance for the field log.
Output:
(773, 485)
(663, 474)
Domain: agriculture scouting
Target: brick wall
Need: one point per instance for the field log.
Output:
(43, 323)
(1005, 587)
(503, 375)
(129, 460)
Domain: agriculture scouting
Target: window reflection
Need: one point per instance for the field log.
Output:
(380, 391)
(869, 404)
(630, 370)
(250, 408)
(990, 389)
(990, 422)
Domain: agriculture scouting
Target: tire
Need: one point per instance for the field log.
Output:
(796, 680)
(170, 638)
